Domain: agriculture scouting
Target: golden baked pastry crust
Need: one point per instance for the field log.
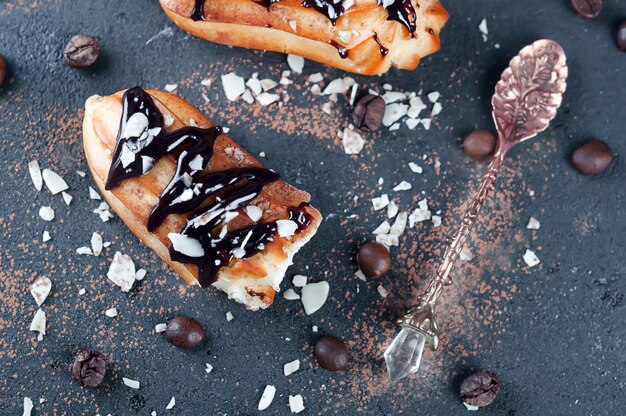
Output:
(248, 24)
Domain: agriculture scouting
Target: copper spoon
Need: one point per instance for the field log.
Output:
(525, 101)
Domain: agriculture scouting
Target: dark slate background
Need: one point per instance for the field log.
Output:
(557, 343)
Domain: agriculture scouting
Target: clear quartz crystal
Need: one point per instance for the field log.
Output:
(404, 354)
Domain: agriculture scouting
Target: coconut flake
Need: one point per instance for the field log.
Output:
(296, 403)
(314, 296)
(530, 258)
(141, 273)
(40, 289)
(291, 294)
(436, 220)
(39, 324)
(81, 173)
(402, 186)
(46, 236)
(234, 86)
(268, 84)
(266, 98)
(533, 224)
(294, 26)
(171, 404)
(84, 251)
(254, 213)
(299, 280)
(159, 328)
(382, 228)
(186, 245)
(267, 397)
(336, 86)
(208, 368)
(470, 407)
(28, 406)
(103, 212)
(415, 168)
(382, 291)
(433, 96)
(437, 107)
(389, 240)
(54, 182)
(35, 174)
(291, 367)
(82, 291)
(170, 87)
(380, 202)
(67, 197)
(96, 243)
(286, 228)
(316, 77)
(122, 271)
(392, 209)
(111, 313)
(399, 225)
(133, 384)
(394, 112)
(352, 142)
(296, 63)
(416, 106)
(46, 213)
(93, 194)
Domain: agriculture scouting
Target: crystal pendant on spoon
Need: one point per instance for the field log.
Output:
(404, 354)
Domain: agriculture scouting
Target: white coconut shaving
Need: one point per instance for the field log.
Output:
(314, 296)
(122, 271)
(40, 289)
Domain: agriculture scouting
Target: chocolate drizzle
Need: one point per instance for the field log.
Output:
(401, 11)
(198, 10)
(383, 51)
(333, 9)
(205, 240)
(141, 140)
(343, 51)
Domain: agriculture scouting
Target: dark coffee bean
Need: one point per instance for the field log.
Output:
(592, 157)
(621, 36)
(480, 389)
(3, 70)
(480, 145)
(368, 113)
(374, 260)
(89, 368)
(331, 353)
(81, 51)
(587, 8)
(184, 332)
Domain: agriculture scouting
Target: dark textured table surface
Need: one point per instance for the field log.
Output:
(554, 334)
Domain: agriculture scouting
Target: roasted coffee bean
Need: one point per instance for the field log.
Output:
(480, 145)
(3, 70)
(621, 36)
(331, 353)
(81, 51)
(368, 113)
(480, 389)
(587, 8)
(374, 260)
(184, 332)
(89, 368)
(592, 157)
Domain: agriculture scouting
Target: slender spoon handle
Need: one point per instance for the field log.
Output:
(442, 277)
